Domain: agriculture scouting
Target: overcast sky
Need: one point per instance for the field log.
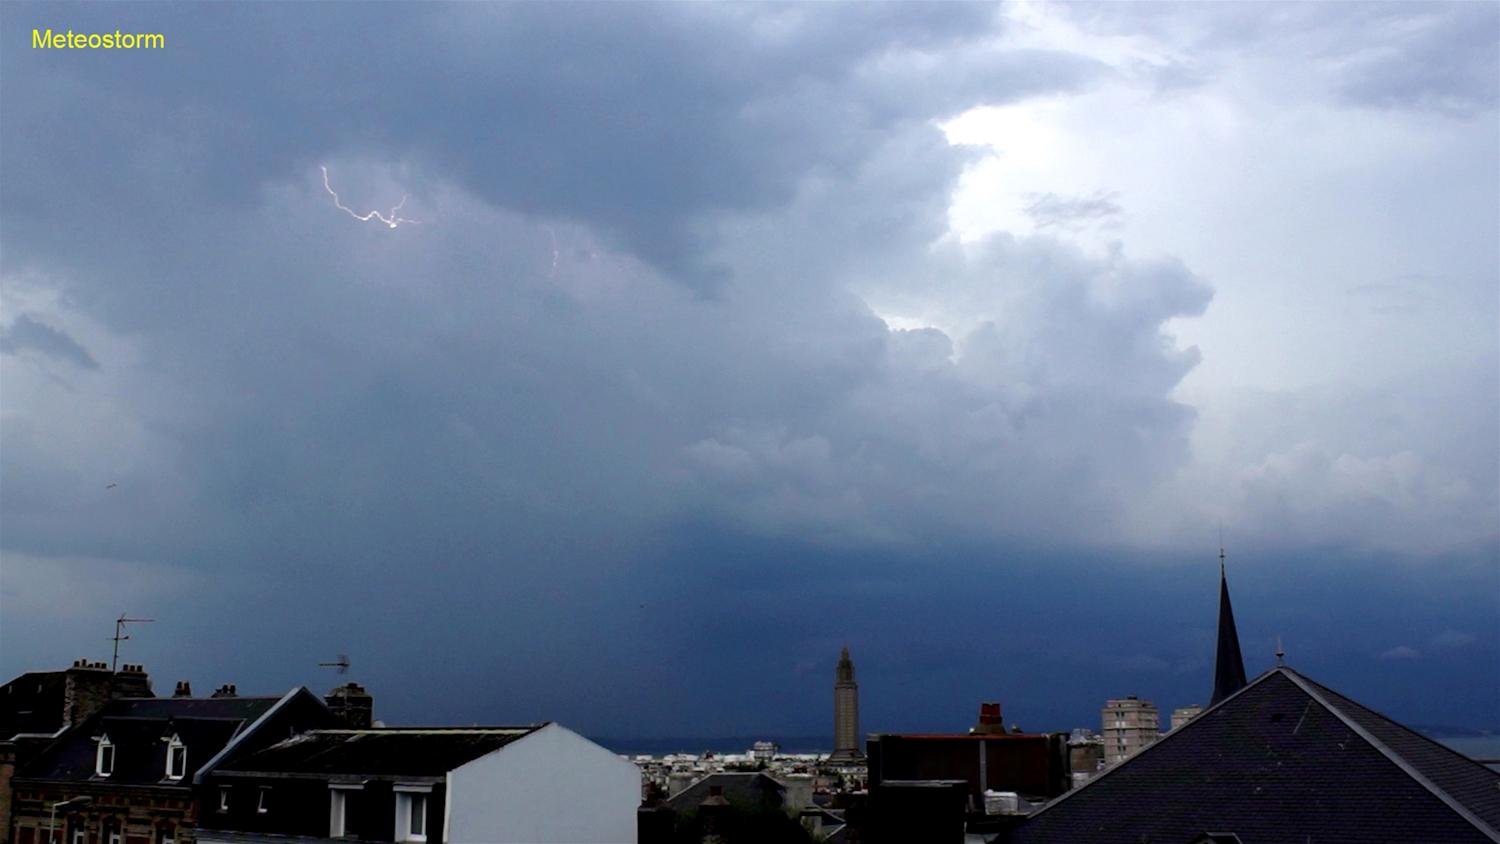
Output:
(726, 335)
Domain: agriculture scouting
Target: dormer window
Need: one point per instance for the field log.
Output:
(104, 757)
(176, 758)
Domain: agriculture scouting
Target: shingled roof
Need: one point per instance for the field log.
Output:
(139, 728)
(411, 752)
(1283, 759)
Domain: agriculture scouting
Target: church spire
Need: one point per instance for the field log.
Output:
(1229, 667)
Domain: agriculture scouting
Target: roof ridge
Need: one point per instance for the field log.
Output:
(1162, 739)
(1314, 690)
(1393, 722)
(245, 730)
(419, 730)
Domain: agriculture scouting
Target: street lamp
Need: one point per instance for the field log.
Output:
(63, 804)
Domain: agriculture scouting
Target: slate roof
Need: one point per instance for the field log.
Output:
(755, 788)
(32, 704)
(139, 729)
(1284, 759)
(416, 752)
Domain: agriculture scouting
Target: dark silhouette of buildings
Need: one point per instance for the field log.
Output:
(1033, 765)
(136, 759)
(1282, 759)
(38, 706)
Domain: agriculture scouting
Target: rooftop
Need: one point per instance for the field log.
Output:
(1282, 758)
(402, 751)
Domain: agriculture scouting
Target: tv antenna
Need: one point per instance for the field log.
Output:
(342, 664)
(121, 635)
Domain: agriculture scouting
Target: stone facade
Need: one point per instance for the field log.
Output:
(136, 815)
(845, 712)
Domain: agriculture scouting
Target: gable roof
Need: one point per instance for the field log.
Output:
(748, 788)
(139, 729)
(414, 752)
(1284, 758)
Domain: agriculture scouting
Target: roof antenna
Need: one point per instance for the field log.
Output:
(1280, 652)
(342, 664)
(120, 636)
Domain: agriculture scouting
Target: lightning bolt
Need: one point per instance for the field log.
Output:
(390, 220)
(552, 234)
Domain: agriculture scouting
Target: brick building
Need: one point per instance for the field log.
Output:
(38, 706)
(986, 759)
(125, 773)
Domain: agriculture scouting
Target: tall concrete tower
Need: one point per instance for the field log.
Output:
(846, 713)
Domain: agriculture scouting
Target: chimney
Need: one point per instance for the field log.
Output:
(226, 690)
(712, 812)
(990, 722)
(351, 703)
(131, 681)
(184, 689)
(87, 686)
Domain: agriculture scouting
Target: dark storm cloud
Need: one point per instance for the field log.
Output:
(537, 482)
(584, 112)
(26, 334)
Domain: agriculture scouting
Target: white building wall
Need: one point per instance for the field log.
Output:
(551, 787)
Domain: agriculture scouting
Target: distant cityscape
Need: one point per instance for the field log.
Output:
(92, 756)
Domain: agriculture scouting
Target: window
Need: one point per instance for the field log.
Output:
(80, 834)
(337, 811)
(224, 799)
(411, 815)
(104, 758)
(263, 805)
(338, 808)
(176, 759)
(418, 826)
(165, 835)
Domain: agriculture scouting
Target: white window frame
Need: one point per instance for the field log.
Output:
(406, 795)
(174, 745)
(338, 812)
(260, 801)
(338, 808)
(99, 767)
(80, 834)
